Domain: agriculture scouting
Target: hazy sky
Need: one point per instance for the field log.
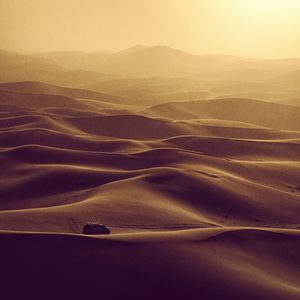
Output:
(265, 28)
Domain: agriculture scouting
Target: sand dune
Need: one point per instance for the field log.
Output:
(33, 87)
(290, 79)
(263, 265)
(16, 67)
(294, 102)
(262, 113)
(38, 100)
(201, 200)
(152, 75)
(155, 90)
(236, 148)
(72, 155)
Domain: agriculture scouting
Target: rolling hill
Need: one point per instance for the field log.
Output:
(34, 87)
(272, 115)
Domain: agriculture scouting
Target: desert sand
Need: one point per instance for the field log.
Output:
(202, 196)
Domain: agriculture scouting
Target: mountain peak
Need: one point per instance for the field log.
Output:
(133, 49)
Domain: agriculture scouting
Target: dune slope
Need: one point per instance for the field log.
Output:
(202, 202)
(272, 115)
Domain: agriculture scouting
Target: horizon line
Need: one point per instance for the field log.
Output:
(36, 52)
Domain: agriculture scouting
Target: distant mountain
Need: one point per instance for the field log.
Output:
(131, 50)
(140, 62)
(143, 61)
(160, 61)
(163, 61)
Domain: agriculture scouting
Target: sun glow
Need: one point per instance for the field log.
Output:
(269, 8)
